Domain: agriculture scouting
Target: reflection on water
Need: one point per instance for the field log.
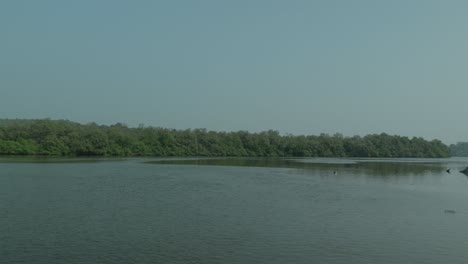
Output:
(369, 167)
(52, 159)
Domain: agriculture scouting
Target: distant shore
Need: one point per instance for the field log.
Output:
(61, 138)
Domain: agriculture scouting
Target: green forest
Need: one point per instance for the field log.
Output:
(459, 150)
(66, 138)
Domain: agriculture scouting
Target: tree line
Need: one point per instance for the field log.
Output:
(459, 150)
(65, 138)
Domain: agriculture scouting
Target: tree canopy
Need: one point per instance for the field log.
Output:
(65, 138)
(459, 150)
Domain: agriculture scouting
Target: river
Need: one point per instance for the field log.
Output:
(233, 211)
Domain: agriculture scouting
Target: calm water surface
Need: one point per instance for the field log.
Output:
(233, 211)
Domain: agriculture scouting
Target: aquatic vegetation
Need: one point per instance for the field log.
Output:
(65, 138)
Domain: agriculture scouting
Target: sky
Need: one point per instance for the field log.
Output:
(299, 67)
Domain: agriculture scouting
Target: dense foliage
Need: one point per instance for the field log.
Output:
(459, 150)
(65, 138)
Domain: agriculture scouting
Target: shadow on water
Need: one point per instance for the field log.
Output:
(369, 167)
(53, 160)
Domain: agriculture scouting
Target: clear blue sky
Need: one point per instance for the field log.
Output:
(300, 67)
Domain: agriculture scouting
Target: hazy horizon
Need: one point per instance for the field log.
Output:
(299, 67)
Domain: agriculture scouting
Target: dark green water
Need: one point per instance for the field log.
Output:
(235, 211)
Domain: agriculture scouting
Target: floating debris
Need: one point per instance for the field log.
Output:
(447, 211)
